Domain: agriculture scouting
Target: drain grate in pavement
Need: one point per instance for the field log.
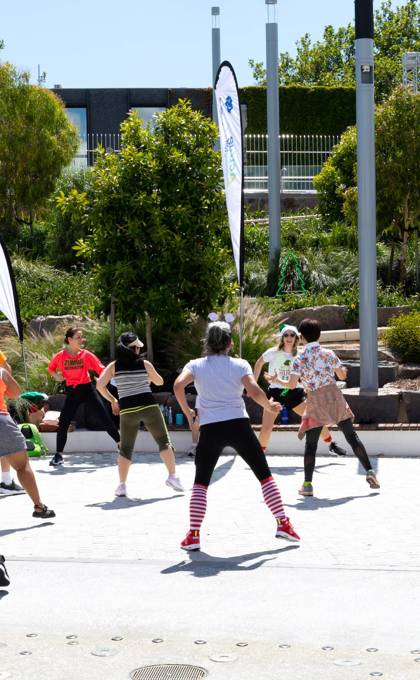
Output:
(168, 671)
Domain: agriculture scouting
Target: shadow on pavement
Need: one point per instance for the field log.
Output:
(222, 470)
(313, 503)
(202, 564)
(295, 468)
(6, 532)
(122, 503)
(65, 470)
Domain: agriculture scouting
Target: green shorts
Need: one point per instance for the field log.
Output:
(154, 422)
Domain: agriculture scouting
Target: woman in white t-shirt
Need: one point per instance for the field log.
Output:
(220, 381)
(280, 359)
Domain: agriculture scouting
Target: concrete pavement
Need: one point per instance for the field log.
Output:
(112, 568)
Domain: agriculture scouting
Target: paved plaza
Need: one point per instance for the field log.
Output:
(104, 589)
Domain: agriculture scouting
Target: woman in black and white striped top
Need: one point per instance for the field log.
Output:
(135, 404)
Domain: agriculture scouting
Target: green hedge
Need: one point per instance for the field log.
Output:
(303, 110)
(403, 337)
(44, 290)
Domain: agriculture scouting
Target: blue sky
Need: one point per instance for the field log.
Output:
(139, 43)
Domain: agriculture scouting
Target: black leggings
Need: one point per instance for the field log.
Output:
(237, 434)
(74, 397)
(311, 445)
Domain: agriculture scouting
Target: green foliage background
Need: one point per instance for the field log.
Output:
(44, 290)
(303, 109)
(403, 337)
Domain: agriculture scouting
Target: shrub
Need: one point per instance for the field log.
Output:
(38, 352)
(403, 337)
(44, 290)
(66, 218)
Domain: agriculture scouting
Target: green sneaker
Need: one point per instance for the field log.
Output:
(306, 489)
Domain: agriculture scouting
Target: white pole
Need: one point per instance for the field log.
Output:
(366, 185)
(273, 130)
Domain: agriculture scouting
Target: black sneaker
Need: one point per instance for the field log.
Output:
(4, 576)
(43, 512)
(336, 450)
(10, 489)
(57, 460)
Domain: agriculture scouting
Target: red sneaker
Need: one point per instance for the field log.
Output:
(285, 530)
(191, 541)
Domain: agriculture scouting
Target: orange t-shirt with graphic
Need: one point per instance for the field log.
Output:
(75, 367)
(3, 388)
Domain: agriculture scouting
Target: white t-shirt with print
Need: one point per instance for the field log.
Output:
(279, 363)
(218, 381)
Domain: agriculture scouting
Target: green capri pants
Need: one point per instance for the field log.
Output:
(153, 420)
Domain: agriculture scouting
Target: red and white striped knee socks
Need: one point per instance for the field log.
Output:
(272, 497)
(198, 505)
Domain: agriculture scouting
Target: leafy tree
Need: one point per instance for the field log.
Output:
(156, 218)
(331, 61)
(65, 219)
(36, 142)
(397, 122)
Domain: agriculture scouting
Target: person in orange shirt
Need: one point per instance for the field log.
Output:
(72, 366)
(8, 486)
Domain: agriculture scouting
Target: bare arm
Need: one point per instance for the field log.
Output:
(341, 372)
(258, 367)
(184, 379)
(101, 385)
(257, 394)
(12, 388)
(57, 375)
(291, 383)
(152, 374)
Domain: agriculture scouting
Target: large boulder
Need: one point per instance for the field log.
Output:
(411, 401)
(385, 314)
(6, 329)
(387, 372)
(381, 407)
(409, 371)
(329, 317)
(41, 325)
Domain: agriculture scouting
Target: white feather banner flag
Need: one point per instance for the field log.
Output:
(231, 146)
(9, 302)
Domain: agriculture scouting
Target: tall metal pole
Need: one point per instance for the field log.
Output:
(215, 50)
(366, 184)
(112, 329)
(273, 129)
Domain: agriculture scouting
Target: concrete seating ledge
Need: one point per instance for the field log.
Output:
(389, 440)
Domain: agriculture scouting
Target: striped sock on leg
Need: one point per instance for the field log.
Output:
(272, 497)
(198, 506)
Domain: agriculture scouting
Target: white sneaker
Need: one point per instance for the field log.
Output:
(121, 489)
(174, 483)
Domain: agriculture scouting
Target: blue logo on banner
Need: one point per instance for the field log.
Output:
(229, 104)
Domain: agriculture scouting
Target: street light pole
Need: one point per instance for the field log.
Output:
(273, 130)
(366, 185)
(215, 48)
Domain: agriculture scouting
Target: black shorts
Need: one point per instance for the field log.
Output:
(290, 400)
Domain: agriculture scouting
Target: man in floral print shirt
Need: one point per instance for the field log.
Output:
(316, 368)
